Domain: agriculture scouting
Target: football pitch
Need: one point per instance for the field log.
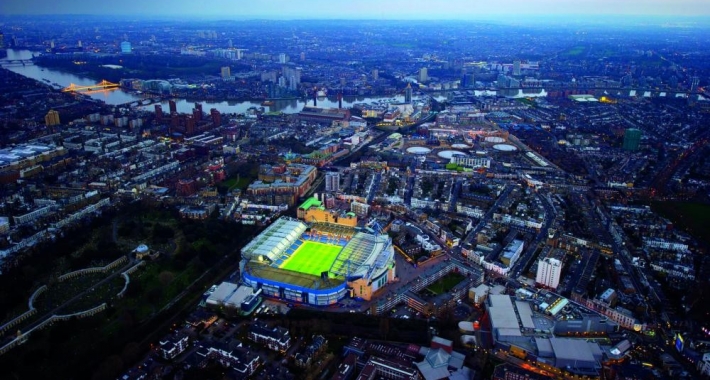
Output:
(312, 258)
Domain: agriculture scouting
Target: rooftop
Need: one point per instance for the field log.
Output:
(281, 276)
(572, 349)
(502, 313)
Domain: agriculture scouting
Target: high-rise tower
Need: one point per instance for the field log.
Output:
(423, 75)
(332, 181)
(632, 139)
(548, 272)
(52, 118)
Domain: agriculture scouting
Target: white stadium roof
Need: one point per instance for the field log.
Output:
(275, 239)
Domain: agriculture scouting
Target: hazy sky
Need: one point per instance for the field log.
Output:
(369, 9)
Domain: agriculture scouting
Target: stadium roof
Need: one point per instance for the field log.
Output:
(364, 253)
(283, 276)
(275, 239)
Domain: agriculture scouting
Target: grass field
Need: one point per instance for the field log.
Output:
(574, 51)
(445, 283)
(312, 258)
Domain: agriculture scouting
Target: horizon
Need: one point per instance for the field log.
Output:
(452, 10)
(510, 19)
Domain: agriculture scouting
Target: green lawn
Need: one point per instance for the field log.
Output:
(233, 183)
(574, 51)
(312, 258)
(445, 283)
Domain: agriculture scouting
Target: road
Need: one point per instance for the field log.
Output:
(504, 195)
(529, 254)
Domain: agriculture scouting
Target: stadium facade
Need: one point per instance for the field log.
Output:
(296, 263)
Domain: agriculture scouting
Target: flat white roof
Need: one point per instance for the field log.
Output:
(572, 349)
(222, 293)
(239, 295)
(502, 314)
(525, 313)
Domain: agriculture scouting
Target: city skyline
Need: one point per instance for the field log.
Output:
(368, 9)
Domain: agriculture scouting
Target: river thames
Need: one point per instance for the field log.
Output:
(59, 79)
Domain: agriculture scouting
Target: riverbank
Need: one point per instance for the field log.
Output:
(185, 102)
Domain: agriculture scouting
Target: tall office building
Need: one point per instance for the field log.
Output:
(226, 72)
(332, 181)
(216, 117)
(408, 93)
(375, 74)
(502, 81)
(52, 118)
(468, 81)
(516, 67)
(189, 125)
(173, 106)
(423, 75)
(196, 115)
(125, 47)
(290, 71)
(283, 58)
(159, 113)
(2, 40)
(548, 272)
(632, 139)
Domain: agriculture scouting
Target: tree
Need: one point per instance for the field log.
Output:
(161, 234)
(131, 352)
(166, 277)
(154, 295)
(110, 368)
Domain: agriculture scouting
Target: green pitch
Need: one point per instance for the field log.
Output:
(312, 258)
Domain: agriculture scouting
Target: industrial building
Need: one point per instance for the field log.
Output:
(549, 330)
